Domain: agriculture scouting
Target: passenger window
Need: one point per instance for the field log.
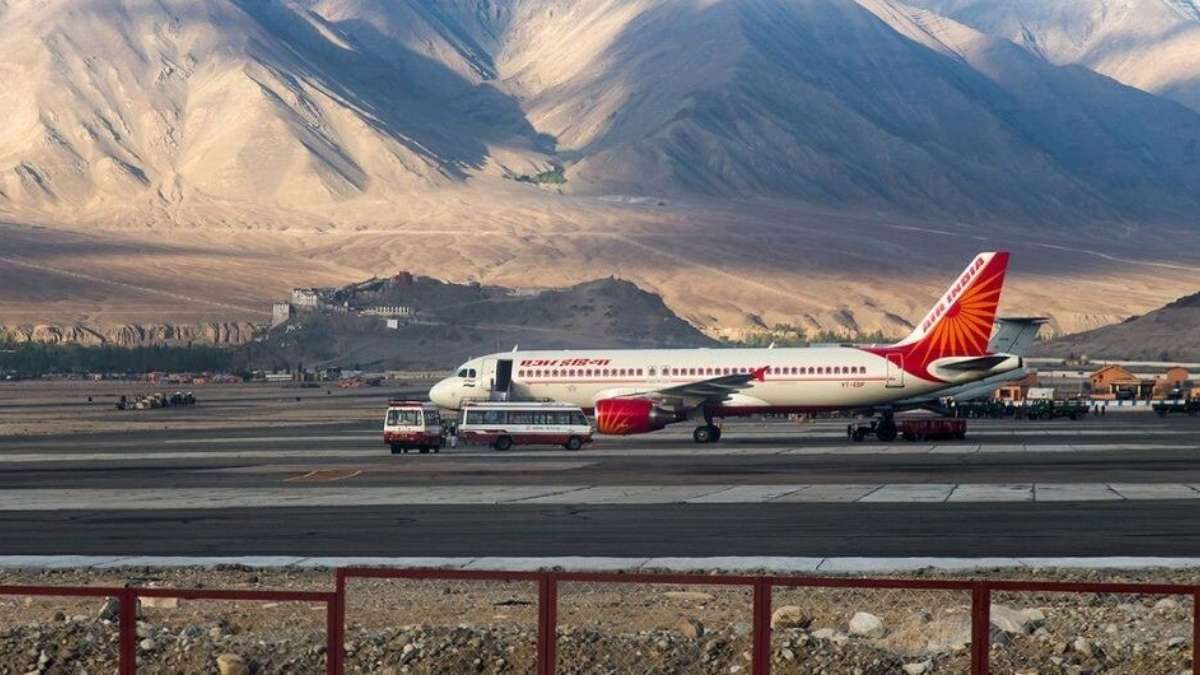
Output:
(639, 371)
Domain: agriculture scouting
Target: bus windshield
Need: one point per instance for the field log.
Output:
(404, 418)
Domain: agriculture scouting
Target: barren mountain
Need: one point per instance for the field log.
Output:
(826, 163)
(453, 322)
(1170, 333)
(1153, 45)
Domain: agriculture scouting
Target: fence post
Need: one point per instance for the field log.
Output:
(127, 631)
(761, 660)
(981, 627)
(335, 627)
(547, 623)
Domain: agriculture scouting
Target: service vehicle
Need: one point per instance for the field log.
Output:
(413, 425)
(933, 429)
(1189, 406)
(503, 424)
(1049, 410)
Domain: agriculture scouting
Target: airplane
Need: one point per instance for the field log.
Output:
(634, 391)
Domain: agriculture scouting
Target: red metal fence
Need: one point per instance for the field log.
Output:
(548, 584)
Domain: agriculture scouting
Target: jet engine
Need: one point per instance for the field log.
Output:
(624, 416)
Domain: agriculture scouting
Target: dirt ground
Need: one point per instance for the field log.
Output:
(33, 408)
(399, 626)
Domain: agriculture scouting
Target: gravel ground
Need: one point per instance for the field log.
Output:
(468, 627)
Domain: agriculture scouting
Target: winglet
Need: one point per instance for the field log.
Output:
(760, 374)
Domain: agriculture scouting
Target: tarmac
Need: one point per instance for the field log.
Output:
(1123, 485)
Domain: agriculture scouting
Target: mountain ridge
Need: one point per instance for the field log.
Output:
(750, 161)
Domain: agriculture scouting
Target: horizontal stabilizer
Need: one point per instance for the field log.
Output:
(981, 363)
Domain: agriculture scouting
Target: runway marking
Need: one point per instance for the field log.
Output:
(324, 476)
(567, 494)
(409, 467)
(269, 439)
(757, 564)
(34, 458)
(110, 456)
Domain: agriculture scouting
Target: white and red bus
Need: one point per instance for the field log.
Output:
(412, 425)
(505, 424)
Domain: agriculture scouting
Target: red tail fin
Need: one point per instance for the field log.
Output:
(960, 323)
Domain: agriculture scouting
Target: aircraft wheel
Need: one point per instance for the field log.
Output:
(716, 434)
(859, 435)
(424, 449)
(704, 434)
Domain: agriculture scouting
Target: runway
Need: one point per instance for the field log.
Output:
(1124, 485)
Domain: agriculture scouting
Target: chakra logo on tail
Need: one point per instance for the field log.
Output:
(960, 324)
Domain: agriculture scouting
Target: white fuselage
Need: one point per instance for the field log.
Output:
(796, 379)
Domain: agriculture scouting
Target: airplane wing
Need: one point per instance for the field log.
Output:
(713, 390)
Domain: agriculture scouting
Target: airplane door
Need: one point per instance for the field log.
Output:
(487, 375)
(503, 375)
(662, 376)
(895, 370)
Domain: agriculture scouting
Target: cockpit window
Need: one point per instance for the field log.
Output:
(462, 372)
(470, 373)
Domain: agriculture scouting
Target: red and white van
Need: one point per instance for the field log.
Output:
(412, 425)
(505, 424)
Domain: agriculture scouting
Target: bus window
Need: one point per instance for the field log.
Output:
(494, 417)
(577, 417)
(474, 417)
(520, 417)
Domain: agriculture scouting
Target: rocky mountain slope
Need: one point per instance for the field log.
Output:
(156, 109)
(1170, 333)
(827, 163)
(454, 322)
(231, 333)
(1149, 44)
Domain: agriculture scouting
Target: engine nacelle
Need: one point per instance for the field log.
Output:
(624, 416)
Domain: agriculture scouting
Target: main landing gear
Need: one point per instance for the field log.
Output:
(884, 429)
(709, 433)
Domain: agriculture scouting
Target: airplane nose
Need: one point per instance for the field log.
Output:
(442, 394)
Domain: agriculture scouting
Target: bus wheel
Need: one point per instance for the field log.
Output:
(397, 448)
(573, 443)
(503, 443)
